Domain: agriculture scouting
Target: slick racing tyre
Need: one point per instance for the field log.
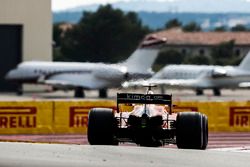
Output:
(189, 130)
(101, 127)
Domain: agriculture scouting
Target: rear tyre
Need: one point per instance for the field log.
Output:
(189, 130)
(101, 127)
(205, 131)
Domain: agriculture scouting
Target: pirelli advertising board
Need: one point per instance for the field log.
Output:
(71, 117)
(222, 116)
(26, 117)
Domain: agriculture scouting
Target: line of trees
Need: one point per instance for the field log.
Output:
(107, 35)
(194, 27)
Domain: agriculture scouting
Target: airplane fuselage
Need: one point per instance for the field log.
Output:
(204, 76)
(99, 75)
(80, 76)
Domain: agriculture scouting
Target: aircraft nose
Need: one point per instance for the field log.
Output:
(10, 75)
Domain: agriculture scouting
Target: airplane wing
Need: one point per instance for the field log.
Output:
(244, 85)
(71, 80)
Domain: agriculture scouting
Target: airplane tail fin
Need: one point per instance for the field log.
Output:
(144, 56)
(245, 63)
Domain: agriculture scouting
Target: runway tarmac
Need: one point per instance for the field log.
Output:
(178, 95)
(61, 155)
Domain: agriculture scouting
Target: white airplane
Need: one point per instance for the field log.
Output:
(200, 77)
(80, 76)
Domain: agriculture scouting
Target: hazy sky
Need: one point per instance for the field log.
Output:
(64, 4)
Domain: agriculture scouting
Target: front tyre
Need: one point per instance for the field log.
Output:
(101, 127)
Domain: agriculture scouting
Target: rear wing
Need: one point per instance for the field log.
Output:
(144, 99)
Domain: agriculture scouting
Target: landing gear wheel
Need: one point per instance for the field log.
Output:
(103, 93)
(79, 92)
(19, 92)
(199, 92)
(216, 92)
(101, 127)
(189, 130)
(162, 89)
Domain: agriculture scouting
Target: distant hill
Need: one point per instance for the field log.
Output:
(156, 20)
(155, 13)
(200, 6)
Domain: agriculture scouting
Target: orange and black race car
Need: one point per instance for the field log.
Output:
(150, 123)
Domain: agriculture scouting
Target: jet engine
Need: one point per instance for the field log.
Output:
(111, 73)
(219, 72)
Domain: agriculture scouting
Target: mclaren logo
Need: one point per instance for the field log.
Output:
(18, 117)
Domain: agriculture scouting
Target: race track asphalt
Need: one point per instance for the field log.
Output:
(61, 155)
(216, 140)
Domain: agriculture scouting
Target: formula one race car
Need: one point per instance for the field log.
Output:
(150, 123)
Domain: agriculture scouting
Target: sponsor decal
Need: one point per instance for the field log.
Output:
(18, 117)
(239, 116)
(144, 97)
